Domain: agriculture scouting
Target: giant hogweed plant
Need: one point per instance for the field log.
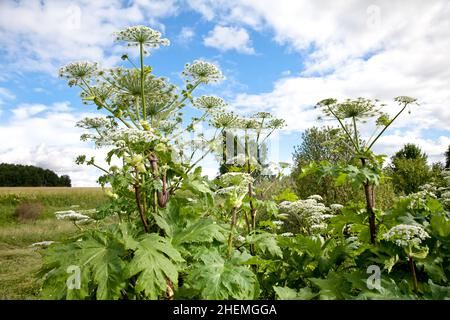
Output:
(366, 167)
(172, 240)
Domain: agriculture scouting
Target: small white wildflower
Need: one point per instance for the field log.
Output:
(71, 215)
(42, 244)
(405, 235)
(278, 222)
(287, 234)
(240, 238)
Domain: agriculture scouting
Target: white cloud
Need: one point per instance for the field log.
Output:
(5, 94)
(26, 110)
(229, 38)
(186, 35)
(42, 35)
(355, 48)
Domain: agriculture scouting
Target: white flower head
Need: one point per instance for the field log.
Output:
(309, 214)
(78, 71)
(210, 103)
(405, 235)
(202, 71)
(137, 35)
(316, 197)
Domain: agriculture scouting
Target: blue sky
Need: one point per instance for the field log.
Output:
(280, 57)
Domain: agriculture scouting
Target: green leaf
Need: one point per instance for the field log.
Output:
(204, 230)
(217, 278)
(440, 226)
(286, 293)
(103, 255)
(266, 242)
(154, 262)
(335, 286)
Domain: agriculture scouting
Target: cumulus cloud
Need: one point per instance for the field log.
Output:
(42, 35)
(229, 38)
(351, 49)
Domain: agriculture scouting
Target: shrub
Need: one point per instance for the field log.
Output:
(28, 211)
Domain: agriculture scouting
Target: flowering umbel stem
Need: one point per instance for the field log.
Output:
(144, 111)
(370, 205)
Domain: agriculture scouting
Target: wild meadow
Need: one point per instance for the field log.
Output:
(19, 260)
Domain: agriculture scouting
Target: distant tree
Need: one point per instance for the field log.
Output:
(410, 169)
(15, 175)
(319, 144)
(65, 181)
(447, 158)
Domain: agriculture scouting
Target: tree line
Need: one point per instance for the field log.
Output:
(16, 175)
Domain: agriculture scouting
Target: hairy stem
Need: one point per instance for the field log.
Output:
(137, 193)
(232, 225)
(370, 205)
(413, 273)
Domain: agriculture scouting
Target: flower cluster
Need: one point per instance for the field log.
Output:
(94, 123)
(226, 120)
(123, 136)
(310, 214)
(141, 35)
(78, 71)
(405, 235)
(210, 104)
(202, 71)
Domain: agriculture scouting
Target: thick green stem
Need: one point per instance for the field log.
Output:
(144, 111)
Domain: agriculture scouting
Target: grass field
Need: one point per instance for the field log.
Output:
(19, 262)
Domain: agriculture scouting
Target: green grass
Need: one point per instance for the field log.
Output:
(53, 199)
(19, 262)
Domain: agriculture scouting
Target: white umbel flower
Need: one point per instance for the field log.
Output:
(146, 36)
(210, 103)
(202, 71)
(405, 235)
(78, 71)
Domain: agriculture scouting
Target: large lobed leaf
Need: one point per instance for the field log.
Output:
(218, 278)
(154, 263)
